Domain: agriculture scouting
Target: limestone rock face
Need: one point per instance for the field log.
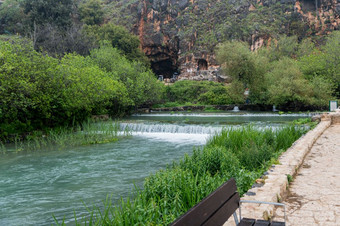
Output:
(180, 36)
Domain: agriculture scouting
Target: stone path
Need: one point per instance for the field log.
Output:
(314, 195)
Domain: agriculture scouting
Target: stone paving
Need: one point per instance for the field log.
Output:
(314, 195)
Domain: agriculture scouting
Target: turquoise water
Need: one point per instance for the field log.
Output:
(38, 184)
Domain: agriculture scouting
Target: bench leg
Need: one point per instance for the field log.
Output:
(235, 218)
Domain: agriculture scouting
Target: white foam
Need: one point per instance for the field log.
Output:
(180, 138)
(225, 115)
(169, 128)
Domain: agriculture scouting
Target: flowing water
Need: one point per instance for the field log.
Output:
(36, 185)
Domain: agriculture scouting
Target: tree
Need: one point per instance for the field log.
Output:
(237, 61)
(56, 12)
(286, 85)
(324, 63)
(57, 42)
(332, 58)
(323, 90)
(119, 38)
(285, 47)
(91, 12)
(140, 82)
(38, 91)
(244, 67)
(12, 18)
(313, 65)
(305, 48)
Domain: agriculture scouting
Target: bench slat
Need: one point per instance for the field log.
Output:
(208, 206)
(246, 222)
(251, 222)
(223, 214)
(262, 223)
(276, 223)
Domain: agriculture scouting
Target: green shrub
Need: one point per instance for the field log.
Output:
(141, 84)
(39, 92)
(91, 12)
(287, 85)
(118, 37)
(203, 92)
(218, 95)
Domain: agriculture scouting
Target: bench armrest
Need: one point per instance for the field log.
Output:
(261, 202)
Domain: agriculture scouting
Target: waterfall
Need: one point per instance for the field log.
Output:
(170, 128)
(236, 109)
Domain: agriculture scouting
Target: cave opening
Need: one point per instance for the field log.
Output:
(202, 65)
(310, 5)
(164, 67)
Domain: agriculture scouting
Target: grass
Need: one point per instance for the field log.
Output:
(305, 122)
(242, 153)
(212, 109)
(289, 178)
(175, 104)
(87, 133)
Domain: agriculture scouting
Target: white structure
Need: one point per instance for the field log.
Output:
(333, 105)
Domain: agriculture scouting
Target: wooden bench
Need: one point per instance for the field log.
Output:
(216, 209)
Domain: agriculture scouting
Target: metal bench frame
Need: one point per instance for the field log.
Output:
(238, 220)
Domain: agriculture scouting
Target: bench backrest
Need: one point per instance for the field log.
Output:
(215, 209)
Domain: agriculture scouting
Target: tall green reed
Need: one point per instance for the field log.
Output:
(87, 133)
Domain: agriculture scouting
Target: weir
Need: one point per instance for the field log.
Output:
(169, 128)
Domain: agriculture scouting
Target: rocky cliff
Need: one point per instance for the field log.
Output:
(180, 35)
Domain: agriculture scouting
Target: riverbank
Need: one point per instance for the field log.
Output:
(274, 187)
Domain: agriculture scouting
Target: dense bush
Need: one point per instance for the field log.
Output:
(274, 76)
(217, 95)
(243, 153)
(119, 38)
(12, 17)
(38, 91)
(286, 84)
(91, 12)
(198, 92)
(245, 67)
(27, 88)
(140, 82)
(57, 12)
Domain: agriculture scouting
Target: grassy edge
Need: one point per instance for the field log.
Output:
(88, 133)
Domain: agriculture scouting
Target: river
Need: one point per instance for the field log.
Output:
(36, 185)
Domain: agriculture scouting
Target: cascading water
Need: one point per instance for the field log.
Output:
(236, 109)
(169, 128)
